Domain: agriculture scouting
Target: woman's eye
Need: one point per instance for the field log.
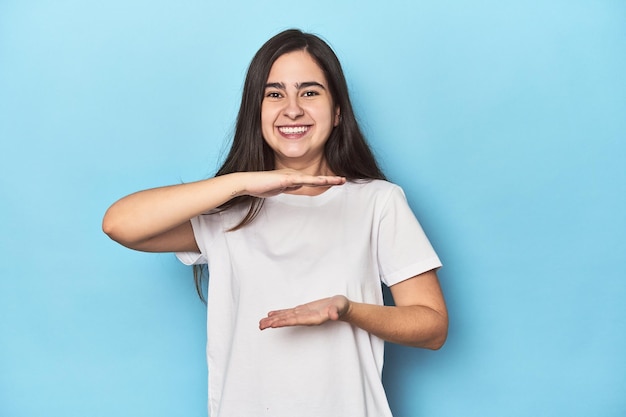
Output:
(272, 94)
(310, 94)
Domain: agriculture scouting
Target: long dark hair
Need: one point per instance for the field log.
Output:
(346, 151)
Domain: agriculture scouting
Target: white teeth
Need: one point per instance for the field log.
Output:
(293, 130)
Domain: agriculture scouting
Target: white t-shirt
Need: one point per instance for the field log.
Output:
(299, 249)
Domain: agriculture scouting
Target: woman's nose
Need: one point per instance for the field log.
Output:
(293, 109)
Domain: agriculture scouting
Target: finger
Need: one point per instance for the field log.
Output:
(276, 316)
(266, 323)
(272, 323)
(278, 312)
(319, 180)
(331, 179)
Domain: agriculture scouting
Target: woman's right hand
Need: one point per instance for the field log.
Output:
(270, 183)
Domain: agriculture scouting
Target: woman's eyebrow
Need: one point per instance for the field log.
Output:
(278, 86)
(308, 84)
(299, 86)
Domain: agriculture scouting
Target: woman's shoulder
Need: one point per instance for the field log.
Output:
(370, 191)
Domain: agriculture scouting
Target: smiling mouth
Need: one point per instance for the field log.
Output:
(293, 130)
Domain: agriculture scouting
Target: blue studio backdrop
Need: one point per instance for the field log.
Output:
(504, 121)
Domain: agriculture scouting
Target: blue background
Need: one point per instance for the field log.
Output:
(504, 121)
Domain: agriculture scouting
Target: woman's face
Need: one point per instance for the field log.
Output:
(298, 112)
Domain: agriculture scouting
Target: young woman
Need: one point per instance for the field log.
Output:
(298, 228)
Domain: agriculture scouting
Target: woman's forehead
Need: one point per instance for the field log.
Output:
(295, 68)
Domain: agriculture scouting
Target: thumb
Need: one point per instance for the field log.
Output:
(333, 312)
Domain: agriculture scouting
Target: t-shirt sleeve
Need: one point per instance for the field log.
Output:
(403, 248)
(194, 258)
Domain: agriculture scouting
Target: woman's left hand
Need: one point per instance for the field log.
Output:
(309, 314)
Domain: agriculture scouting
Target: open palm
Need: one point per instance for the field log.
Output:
(309, 314)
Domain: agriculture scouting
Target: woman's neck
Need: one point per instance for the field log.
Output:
(311, 168)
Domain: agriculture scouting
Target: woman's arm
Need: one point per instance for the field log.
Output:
(419, 317)
(157, 220)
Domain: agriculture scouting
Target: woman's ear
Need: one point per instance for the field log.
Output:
(337, 116)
